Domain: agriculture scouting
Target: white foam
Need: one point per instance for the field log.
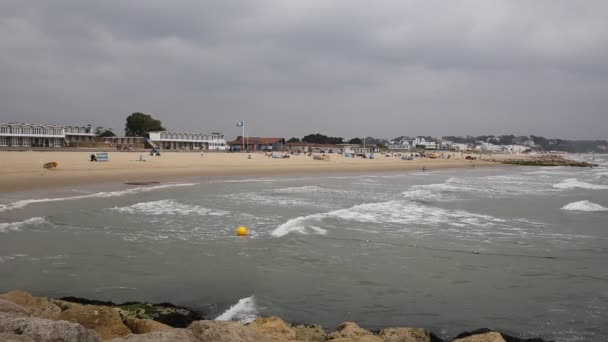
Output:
(24, 203)
(300, 189)
(169, 207)
(410, 217)
(573, 183)
(15, 226)
(584, 206)
(244, 311)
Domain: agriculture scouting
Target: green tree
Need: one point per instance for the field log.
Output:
(139, 124)
(357, 141)
(104, 132)
(293, 140)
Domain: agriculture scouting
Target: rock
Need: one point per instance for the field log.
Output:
(12, 309)
(105, 321)
(367, 338)
(349, 330)
(486, 337)
(225, 331)
(310, 333)
(166, 313)
(36, 306)
(274, 328)
(405, 335)
(143, 326)
(171, 335)
(63, 305)
(14, 338)
(46, 330)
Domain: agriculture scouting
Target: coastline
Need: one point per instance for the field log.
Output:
(28, 318)
(22, 171)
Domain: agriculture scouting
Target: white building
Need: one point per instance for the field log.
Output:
(461, 147)
(420, 142)
(516, 148)
(189, 141)
(489, 147)
(18, 134)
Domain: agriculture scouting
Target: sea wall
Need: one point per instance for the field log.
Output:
(26, 318)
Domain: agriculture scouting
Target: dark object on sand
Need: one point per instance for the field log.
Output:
(93, 158)
(143, 183)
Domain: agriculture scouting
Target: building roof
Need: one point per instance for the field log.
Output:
(257, 141)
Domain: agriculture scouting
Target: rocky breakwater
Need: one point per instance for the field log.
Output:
(26, 318)
(553, 160)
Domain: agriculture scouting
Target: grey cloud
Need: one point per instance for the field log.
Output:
(292, 67)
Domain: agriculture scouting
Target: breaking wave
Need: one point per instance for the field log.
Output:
(244, 311)
(412, 218)
(169, 207)
(584, 206)
(573, 183)
(25, 203)
(15, 226)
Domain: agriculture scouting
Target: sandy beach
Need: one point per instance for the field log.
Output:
(24, 171)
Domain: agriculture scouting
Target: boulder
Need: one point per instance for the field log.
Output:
(274, 328)
(14, 338)
(105, 321)
(171, 335)
(405, 335)
(367, 338)
(144, 326)
(36, 306)
(46, 330)
(12, 309)
(486, 337)
(349, 330)
(63, 305)
(310, 333)
(225, 331)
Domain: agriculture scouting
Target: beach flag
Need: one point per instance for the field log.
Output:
(240, 124)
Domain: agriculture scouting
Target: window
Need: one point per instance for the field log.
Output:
(25, 141)
(57, 142)
(27, 130)
(16, 129)
(4, 129)
(3, 141)
(14, 141)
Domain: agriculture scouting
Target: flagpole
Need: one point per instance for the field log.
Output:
(243, 124)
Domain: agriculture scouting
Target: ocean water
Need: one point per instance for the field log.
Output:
(520, 249)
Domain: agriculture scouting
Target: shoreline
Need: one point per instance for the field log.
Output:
(24, 317)
(22, 171)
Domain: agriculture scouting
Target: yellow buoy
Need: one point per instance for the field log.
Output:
(241, 231)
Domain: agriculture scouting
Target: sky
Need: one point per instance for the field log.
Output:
(292, 67)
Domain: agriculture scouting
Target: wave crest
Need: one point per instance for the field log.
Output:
(244, 311)
(16, 226)
(584, 206)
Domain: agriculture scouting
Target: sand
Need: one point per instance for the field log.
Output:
(24, 171)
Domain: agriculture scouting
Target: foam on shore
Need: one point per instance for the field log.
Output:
(25, 203)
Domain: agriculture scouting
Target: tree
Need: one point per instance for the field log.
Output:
(103, 132)
(293, 140)
(139, 124)
(322, 139)
(356, 141)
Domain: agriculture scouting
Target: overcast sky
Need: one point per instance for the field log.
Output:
(290, 67)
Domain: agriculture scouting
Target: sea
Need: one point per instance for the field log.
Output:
(523, 250)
